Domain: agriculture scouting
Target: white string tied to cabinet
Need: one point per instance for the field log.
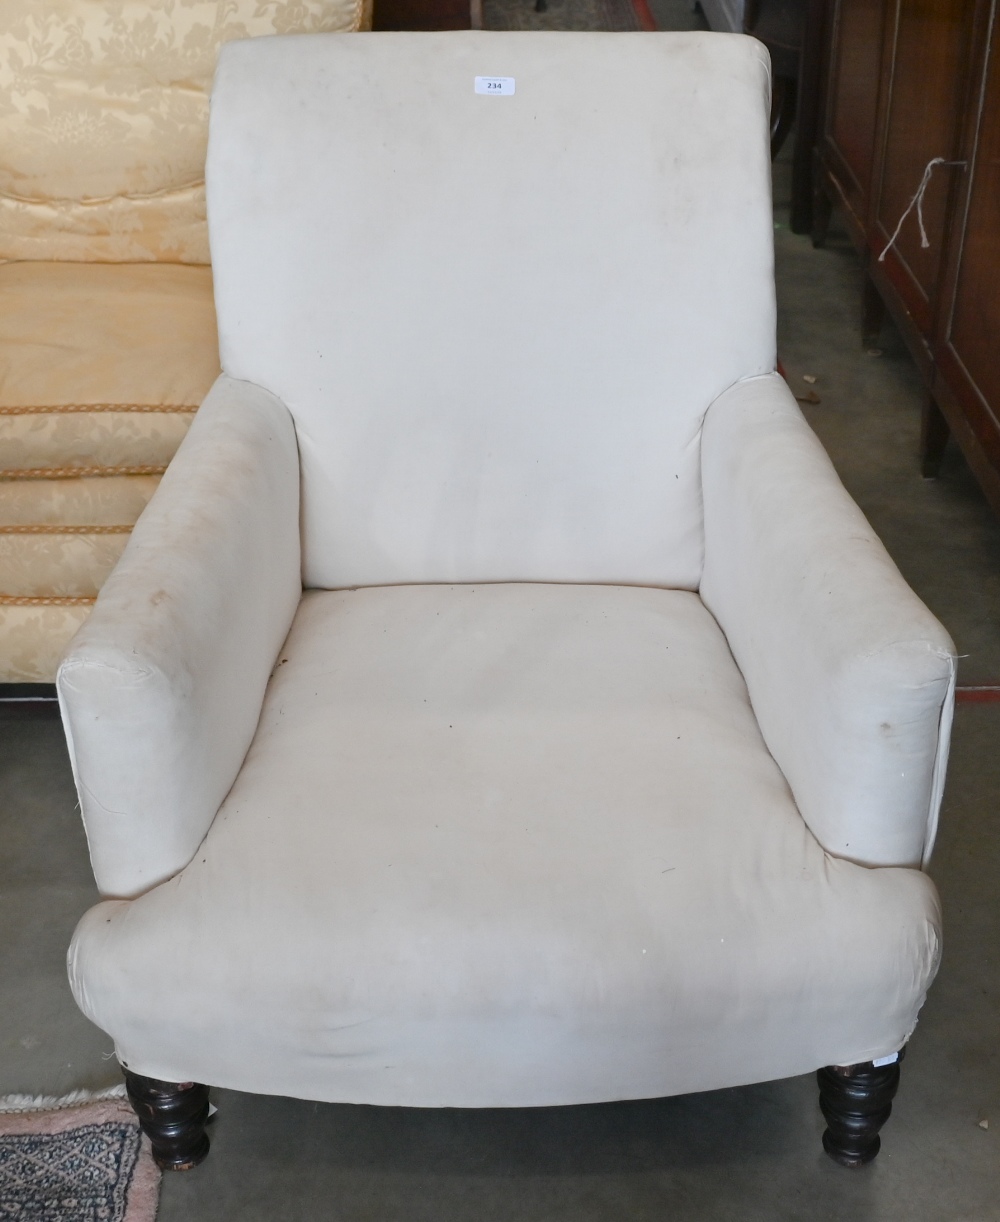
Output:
(918, 202)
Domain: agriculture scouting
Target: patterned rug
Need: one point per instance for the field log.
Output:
(67, 1160)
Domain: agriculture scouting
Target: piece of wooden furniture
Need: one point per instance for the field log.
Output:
(779, 25)
(906, 85)
(428, 15)
(792, 31)
(807, 109)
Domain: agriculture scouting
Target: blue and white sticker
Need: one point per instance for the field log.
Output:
(499, 86)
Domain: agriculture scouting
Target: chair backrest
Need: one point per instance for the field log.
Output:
(104, 119)
(497, 278)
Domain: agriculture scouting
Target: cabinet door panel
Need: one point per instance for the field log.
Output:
(928, 80)
(972, 324)
(854, 85)
(852, 93)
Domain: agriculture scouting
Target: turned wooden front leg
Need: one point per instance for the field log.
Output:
(172, 1115)
(856, 1101)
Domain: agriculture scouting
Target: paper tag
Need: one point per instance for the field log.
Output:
(891, 1059)
(503, 86)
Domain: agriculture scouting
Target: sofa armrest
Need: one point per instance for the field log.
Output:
(161, 689)
(850, 676)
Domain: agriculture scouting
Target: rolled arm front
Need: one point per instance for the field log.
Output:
(850, 676)
(162, 687)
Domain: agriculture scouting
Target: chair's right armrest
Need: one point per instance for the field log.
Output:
(850, 676)
(162, 687)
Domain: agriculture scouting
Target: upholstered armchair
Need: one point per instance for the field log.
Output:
(501, 702)
(107, 324)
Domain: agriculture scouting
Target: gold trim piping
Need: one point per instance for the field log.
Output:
(59, 409)
(17, 600)
(65, 530)
(78, 472)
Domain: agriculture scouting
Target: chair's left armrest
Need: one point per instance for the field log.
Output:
(162, 687)
(850, 676)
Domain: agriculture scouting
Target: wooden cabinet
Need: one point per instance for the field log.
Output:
(906, 82)
(428, 15)
(923, 88)
(966, 385)
(852, 107)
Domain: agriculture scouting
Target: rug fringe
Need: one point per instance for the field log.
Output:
(53, 1103)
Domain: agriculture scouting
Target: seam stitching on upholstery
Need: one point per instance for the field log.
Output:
(99, 200)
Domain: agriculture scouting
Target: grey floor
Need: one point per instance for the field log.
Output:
(677, 15)
(746, 1154)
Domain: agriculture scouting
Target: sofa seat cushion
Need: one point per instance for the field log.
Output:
(133, 442)
(59, 561)
(507, 845)
(59, 539)
(101, 365)
(108, 500)
(33, 635)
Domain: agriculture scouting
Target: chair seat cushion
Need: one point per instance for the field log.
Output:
(507, 845)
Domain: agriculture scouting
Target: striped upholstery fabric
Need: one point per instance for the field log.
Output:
(102, 367)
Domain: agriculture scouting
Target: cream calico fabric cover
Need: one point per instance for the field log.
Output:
(562, 297)
(103, 112)
(859, 718)
(507, 845)
(102, 367)
(453, 838)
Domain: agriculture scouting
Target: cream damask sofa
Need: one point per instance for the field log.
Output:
(107, 325)
(501, 702)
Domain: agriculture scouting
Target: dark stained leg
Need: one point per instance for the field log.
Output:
(807, 115)
(934, 434)
(801, 215)
(872, 313)
(822, 211)
(784, 93)
(856, 1101)
(173, 1116)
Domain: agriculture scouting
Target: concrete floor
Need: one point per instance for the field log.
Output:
(748, 1154)
(677, 15)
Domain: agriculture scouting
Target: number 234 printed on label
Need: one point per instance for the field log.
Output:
(503, 86)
